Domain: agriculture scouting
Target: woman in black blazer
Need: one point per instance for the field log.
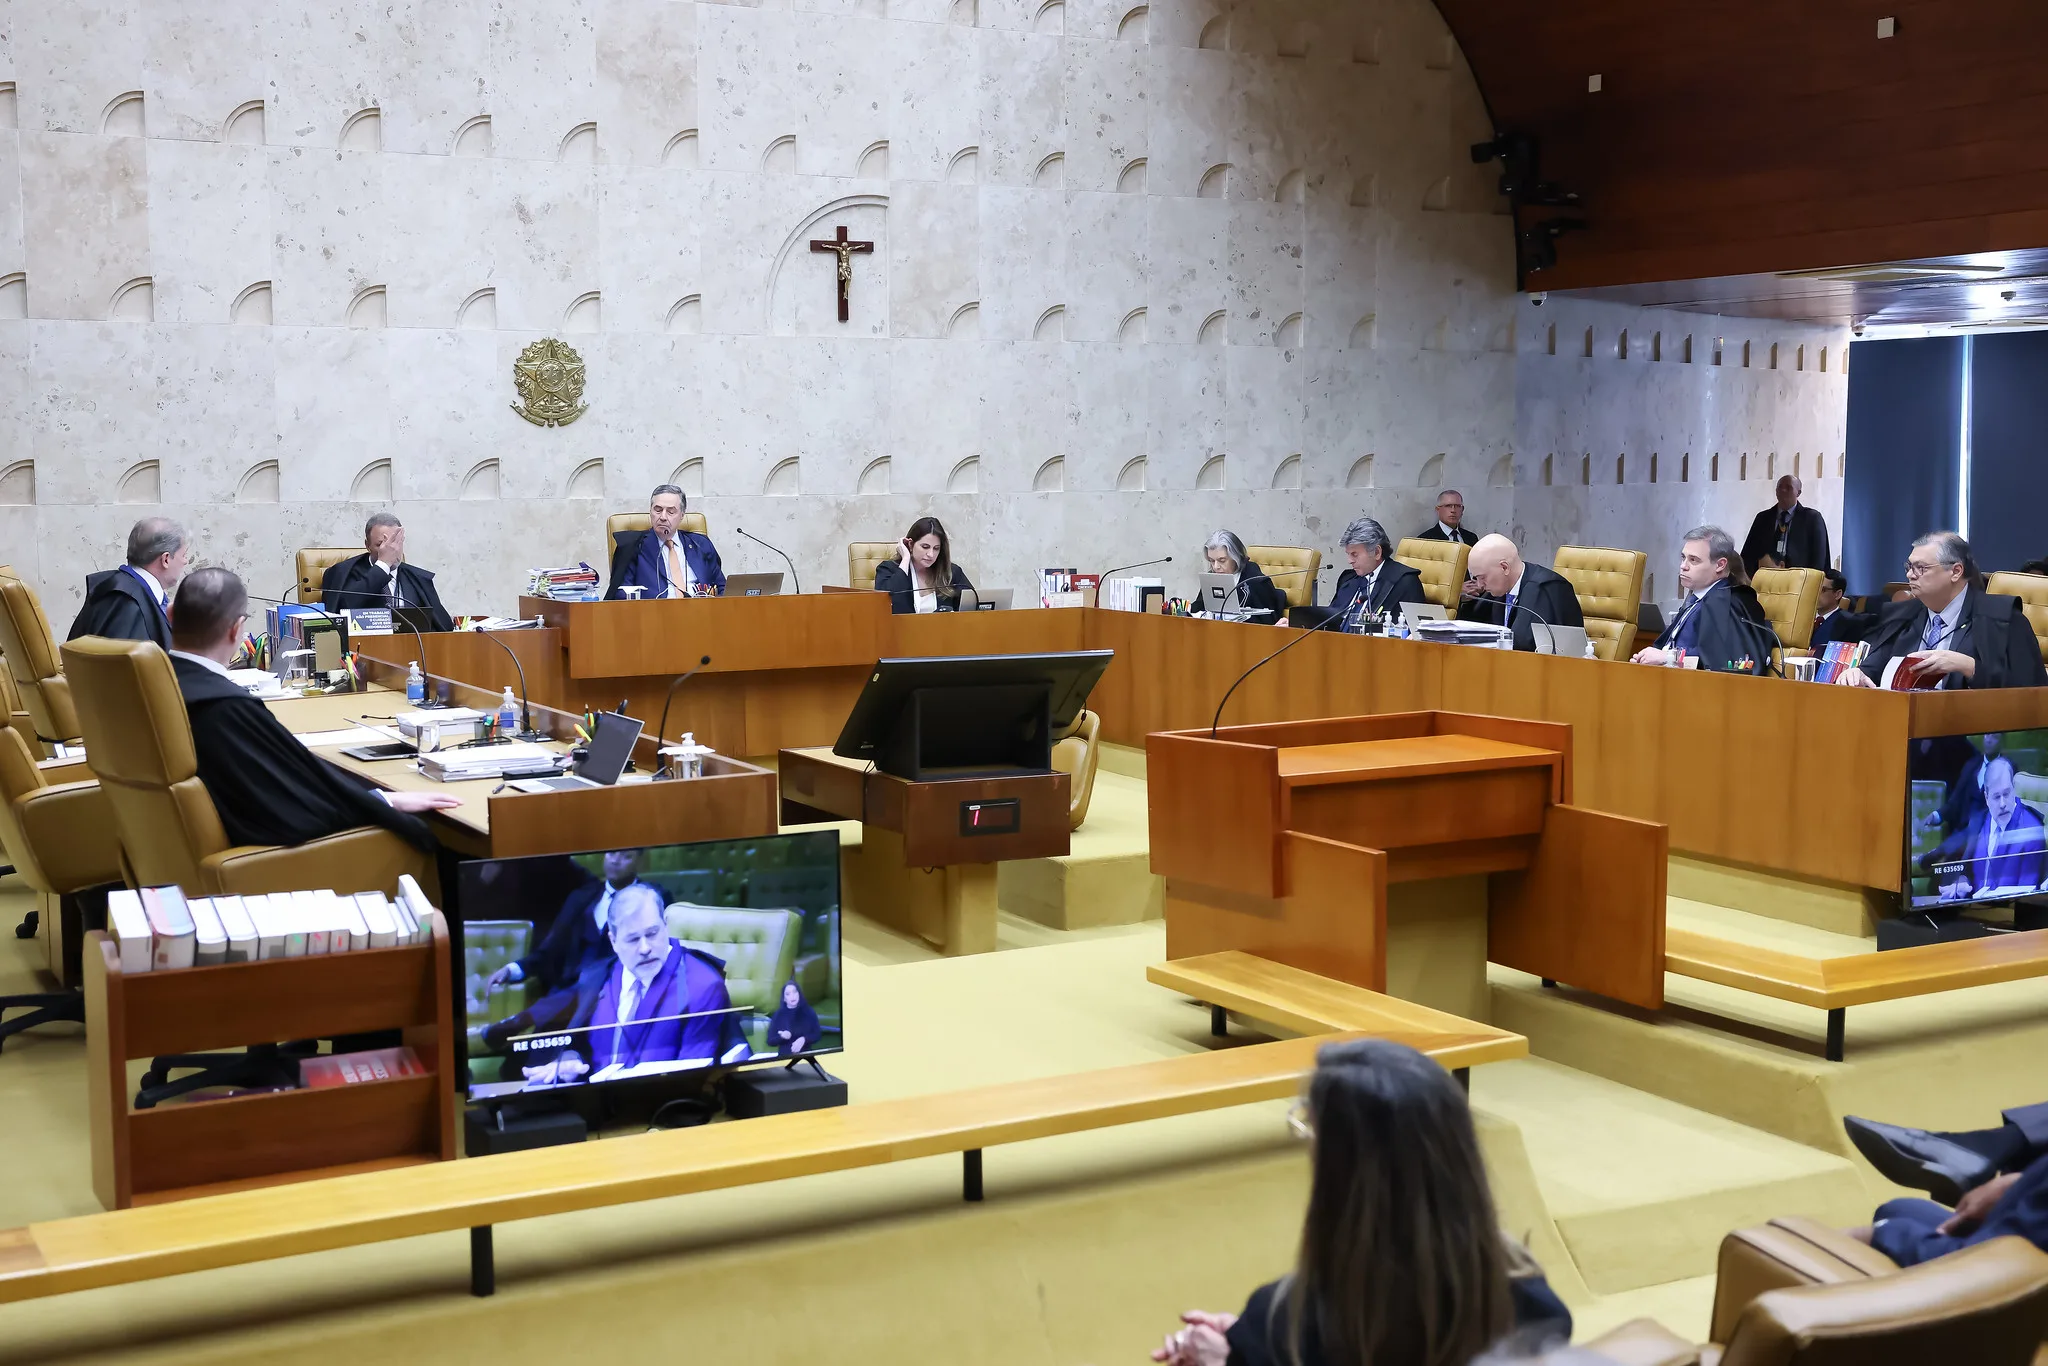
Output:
(924, 577)
(1257, 594)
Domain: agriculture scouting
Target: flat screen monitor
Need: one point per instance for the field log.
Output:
(1975, 814)
(956, 715)
(634, 965)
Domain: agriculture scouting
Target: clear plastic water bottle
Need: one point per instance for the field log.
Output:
(415, 685)
(508, 712)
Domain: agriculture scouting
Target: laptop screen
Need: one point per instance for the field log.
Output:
(604, 759)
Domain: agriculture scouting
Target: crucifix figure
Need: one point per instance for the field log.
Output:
(845, 250)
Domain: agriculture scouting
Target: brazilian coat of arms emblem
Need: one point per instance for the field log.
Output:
(549, 378)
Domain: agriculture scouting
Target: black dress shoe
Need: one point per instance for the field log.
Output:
(1920, 1160)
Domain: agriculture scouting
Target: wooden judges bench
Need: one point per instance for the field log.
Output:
(1738, 768)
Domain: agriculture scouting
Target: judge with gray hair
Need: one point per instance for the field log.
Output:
(381, 577)
(133, 602)
(1376, 582)
(1256, 592)
(1952, 632)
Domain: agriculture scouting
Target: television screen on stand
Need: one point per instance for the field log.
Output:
(1976, 819)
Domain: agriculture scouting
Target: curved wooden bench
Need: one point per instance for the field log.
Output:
(1835, 984)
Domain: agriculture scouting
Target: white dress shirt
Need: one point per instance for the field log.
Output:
(1450, 533)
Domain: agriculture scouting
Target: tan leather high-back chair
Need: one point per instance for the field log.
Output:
(1442, 566)
(1791, 600)
(1609, 585)
(139, 744)
(1076, 753)
(864, 557)
(31, 653)
(640, 521)
(58, 834)
(1292, 568)
(314, 562)
(2032, 591)
(16, 717)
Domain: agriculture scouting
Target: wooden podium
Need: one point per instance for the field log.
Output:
(929, 850)
(1284, 841)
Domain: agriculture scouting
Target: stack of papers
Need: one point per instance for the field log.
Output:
(1460, 632)
(260, 683)
(487, 761)
(566, 583)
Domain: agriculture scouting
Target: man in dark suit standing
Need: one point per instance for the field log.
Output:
(1450, 520)
(1788, 536)
(381, 577)
(1720, 621)
(267, 787)
(1375, 582)
(1951, 629)
(665, 561)
(1832, 622)
(580, 933)
(1518, 595)
(133, 602)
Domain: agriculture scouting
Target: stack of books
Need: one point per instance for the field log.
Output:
(159, 929)
(567, 583)
(1838, 657)
(1134, 595)
(1061, 588)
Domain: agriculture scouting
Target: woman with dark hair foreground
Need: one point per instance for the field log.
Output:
(1402, 1261)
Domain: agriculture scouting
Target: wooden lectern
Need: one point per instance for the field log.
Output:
(928, 854)
(1283, 840)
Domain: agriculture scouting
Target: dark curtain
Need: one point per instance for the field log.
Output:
(1905, 435)
(2008, 448)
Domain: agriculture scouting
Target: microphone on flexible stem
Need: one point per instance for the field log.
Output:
(661, 731)
(525, 709)
(1319, 626)
(1142, 564)
(428, 701)
(785, 559)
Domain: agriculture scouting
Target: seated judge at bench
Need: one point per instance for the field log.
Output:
(380, 576)
(1376, 582)
(267, 785)
(1517, 595)
(665, 561)
(2003, 851)
(657, 1003)
(1721, 623)
(924, 577)
(1950, 628)
(1256, 593)
(133, 602)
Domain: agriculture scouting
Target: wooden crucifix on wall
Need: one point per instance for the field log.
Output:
(845, 251)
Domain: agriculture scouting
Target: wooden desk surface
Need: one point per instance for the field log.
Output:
(1416, 757)
(311, 715)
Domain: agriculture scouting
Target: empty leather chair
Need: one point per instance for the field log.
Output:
(1609, 586)
(31, 654)
(2032, 591)
(1791, 600)
(16, 716)
(1441, 565)
(1292, 568)
(863, 557)
(1075, 752)
(313, 563)
(139, 745)
(60, 839)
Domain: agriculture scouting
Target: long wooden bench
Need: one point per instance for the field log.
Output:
(1277, 994)
(1835, 984)
(315, 1216)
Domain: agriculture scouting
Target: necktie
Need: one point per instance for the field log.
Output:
(675, 569)
(629, 1001)
(1932, 636)
(1507, 613)
(391, 586)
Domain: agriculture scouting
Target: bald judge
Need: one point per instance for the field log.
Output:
(1515, 594)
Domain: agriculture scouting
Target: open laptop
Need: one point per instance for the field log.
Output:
(604, 758)
(1219, 596)
(985, 599)
(753, 585)
(1415, 613)
(1569, 641)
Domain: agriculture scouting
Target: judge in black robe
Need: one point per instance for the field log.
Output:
(380, 576)
(1982, 640)
(131, 603)
(1518, 595)
(268, 787)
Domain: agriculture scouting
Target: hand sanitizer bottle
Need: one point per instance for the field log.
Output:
(1591, 653)
(415, 685)
(508, 712)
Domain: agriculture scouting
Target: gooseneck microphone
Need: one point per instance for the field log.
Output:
(785, 559)
(1319, 626)
(661, 731)
(428, 701)
(525, 709)
(1142, 564)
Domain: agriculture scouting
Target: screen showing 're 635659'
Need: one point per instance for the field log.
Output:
(1976, 817)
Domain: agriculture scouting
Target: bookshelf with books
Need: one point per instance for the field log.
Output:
(369, 1111)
